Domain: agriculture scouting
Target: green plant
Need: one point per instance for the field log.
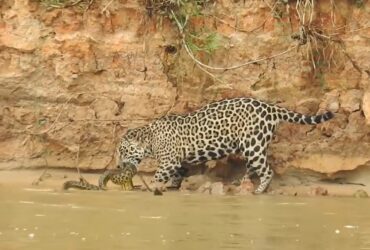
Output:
(181, 13)
(182, 8)
(57, 4)
(41, 122)
(359, 3)
(206, 42)
(53, 3)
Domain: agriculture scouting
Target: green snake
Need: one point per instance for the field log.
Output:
(122, 177)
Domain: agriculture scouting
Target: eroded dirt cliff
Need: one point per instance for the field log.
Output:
(74, 78)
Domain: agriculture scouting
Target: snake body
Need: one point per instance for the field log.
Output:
(122, 177)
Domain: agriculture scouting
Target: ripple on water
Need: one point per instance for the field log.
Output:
(26, 202)
(351, 226)
(291, 203)
(54, 205)
(151, 217)
(329, 213)
(38, 189)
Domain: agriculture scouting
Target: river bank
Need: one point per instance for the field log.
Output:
(293, 183)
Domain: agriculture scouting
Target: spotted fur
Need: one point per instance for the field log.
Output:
(241, 125)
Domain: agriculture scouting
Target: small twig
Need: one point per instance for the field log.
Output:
(359, 29)
(89, 5)
(43, 175)
(354, 63)
(321, 35)
(77, 160)
(312, 10)
(272, 8)
(214, 77)
(297, 11)
(332, 12)
(41, 178)
(209, 73)
(312, 55)
(171, 107)
(106, 6)
(73, 4)
(112, 143)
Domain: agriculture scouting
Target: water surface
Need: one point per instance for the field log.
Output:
(48, 219)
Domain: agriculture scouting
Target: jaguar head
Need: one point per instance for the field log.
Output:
(132, 149)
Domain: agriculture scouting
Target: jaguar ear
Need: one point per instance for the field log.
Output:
(129, 131)
(132, 133)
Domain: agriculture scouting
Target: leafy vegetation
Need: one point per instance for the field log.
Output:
(53, 3)
(182, 12)
(206, 42)
(57, 4)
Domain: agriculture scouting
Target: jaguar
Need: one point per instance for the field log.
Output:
(242, 126)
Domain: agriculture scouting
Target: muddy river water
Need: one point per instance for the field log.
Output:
(48, 219)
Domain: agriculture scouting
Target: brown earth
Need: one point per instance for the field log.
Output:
(73, 80)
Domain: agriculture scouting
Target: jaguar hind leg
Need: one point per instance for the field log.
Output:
(257, 164)
(264, 172)
(265, 175)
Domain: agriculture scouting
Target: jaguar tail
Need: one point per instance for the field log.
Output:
(294, 117)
